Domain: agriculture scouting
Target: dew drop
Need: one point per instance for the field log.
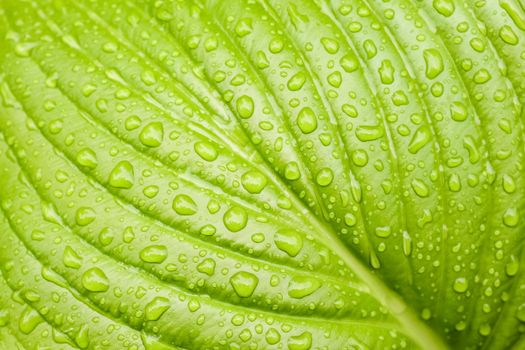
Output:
(235, 219)
(207, 266)
(71, 258)
(84, 216)
(95, 280)
(87, 158)
(292, 172)
(296, 82)
(152, 134)
(324, 177)
(253, 181)
(306, 120)
(122, 175)
(244, 283)
(289, 241)
(460, 285)
(156, 308)
(433, 63)
(421, 137)
(184, 205)
(511, 217)
(300, 342)
(154, 254)
(302, 286)
(206, 151)
(245, 106)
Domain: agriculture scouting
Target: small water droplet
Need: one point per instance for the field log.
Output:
(152, 134)
(244, 283)
(235, 219)
(156, 308)
(184, 205)
(95, 280)
(460, 285)
(253, 181)
(289, 241)
(154, 254)
(122, 175)
(306, 120)
(302, 286)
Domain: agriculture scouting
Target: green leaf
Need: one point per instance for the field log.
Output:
(262, 174)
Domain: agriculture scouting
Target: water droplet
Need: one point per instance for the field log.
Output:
(87, 158)
(148, 77)
(95, 280)
(82, 337)
(244, 27)
(207, 266)
(156, 308)
(28, 320)
(433, 63)
(454, 183)
(206, 151)
(511, 217)
(302, 286)
(512, 266)
(291, 171)
(300, 342)
(85, 216)
(330, 45)
(272, 336)
(306, 120)
(152, 134)
(349, 63)
(458, 111)
(407, 244)
(276, 45)
(245, 106)
(369, 132)
(420, 188)
(122, 175)
(289, 241)
(444, 7)
(421, 137)
(71, 258)
(324, 177)
(184, 205)
(383, 231)
(520, 313)
(460, 285)
(297, 81)
(132, 122)
(151, 191)
(350, 219)
(244, 283)
(154, 254)
(253, 181)
(360, 157)
(235, 219)
(386, 72)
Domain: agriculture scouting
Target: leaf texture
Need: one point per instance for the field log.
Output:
(262, 174)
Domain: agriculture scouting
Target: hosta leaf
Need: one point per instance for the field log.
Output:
(262, 174)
